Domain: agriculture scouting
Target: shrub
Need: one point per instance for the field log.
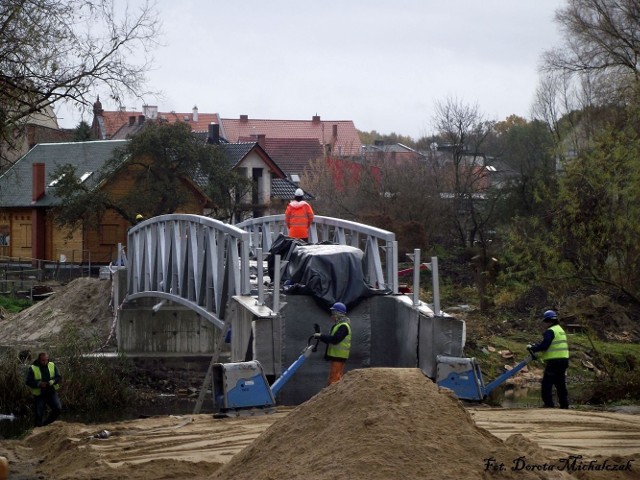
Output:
(91, 383)
(15, 397)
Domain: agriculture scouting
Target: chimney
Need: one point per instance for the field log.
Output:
(37, 181)
(262, 139)
(195, 113)
(97, 107)
(335, 132)
(244, 118)
(315, 118)
(132, 120)
(214, 134)
(150, 111)
(140, 119)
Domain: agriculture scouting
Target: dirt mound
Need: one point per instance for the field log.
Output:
(84, 302)
(379, 423)
(72, 452)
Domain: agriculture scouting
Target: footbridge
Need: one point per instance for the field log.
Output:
(201, 263)
(190, 279)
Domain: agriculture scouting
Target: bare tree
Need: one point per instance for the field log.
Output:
(67, 50)
(336, 186)
(464, 130)
(465, 181)
(593, 75)
(601, 38)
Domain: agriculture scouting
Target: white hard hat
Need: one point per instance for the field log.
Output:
(299, 193)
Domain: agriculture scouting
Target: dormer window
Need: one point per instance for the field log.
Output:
(83, 177)
(55, 181)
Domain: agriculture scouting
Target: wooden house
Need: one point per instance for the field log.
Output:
(28, 201)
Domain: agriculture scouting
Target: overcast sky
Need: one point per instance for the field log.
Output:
(382, 64)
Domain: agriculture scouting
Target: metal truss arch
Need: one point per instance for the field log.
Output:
(192, 260)
(379, 246)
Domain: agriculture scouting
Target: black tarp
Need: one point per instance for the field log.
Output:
(327, 271)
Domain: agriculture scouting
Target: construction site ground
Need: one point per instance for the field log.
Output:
(376, 423)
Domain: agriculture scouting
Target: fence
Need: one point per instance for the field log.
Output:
(18, 275)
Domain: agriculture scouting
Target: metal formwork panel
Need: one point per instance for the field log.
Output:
(297, 317)
(387, 331)
(395, 332)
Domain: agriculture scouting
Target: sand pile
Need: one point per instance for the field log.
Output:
(70, 451)
(84, 302)
(381, 423)
(375, 424)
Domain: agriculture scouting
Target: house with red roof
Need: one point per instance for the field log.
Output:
(292, 155)
(122, 123)
(292, 144)
(338, 138)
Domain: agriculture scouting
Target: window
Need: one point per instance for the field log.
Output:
(25, 228)
(5, 236)
(55, 181)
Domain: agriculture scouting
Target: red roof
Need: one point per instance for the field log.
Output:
(122, 120)
(341, 135)
(292, 155)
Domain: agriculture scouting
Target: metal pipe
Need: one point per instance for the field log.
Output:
(276, 284)
(393, 271)
(288, 373)
(416, 277)
(436, 286)
(260, 276)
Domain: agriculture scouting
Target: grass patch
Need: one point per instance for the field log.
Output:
(600, 372)
(615, 377)
(14, 304)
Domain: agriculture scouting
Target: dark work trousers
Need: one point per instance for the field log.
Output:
(47, 397)
(555, 376)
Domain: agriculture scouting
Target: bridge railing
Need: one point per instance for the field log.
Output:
(379, 246)
(192, 260)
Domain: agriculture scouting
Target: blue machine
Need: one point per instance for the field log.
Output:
(464, 378)
(242, 388)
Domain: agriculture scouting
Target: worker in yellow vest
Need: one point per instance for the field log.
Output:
(43, 378)
(555, 354)
(338, 342)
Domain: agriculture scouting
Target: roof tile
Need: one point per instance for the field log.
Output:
(129, 121)
(292, 155)
(346, 143)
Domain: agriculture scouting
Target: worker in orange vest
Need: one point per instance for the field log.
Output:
(298, 217)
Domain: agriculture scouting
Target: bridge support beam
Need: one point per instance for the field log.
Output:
(171, 329)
